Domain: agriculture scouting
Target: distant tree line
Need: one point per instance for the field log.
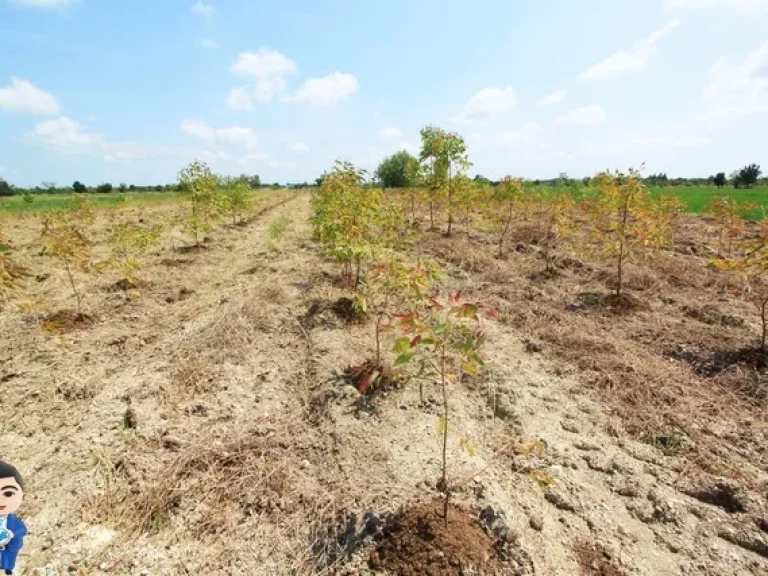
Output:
(401, 170)
(77, 187)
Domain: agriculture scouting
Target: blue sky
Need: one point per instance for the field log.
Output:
(130, 91)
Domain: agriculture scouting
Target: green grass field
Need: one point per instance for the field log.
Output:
(695, 198)
(43, 202)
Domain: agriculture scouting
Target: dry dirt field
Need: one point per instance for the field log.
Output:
(201, 426)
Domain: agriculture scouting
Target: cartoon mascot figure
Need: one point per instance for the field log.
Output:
(12, 530)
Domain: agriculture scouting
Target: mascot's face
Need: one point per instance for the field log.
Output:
(11, 496)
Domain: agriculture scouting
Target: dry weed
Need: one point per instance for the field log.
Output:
(213, 486)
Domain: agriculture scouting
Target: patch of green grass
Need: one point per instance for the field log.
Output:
(44, 202)
(696, 198)
(277, 227)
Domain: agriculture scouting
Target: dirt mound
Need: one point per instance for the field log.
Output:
(418, 542)
(65, 321)
(367, 378)
(325, 313)
(347, 311)
(594, 560)
(613, 303)
(125, 285)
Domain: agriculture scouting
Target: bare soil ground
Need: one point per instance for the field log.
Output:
(204, 423)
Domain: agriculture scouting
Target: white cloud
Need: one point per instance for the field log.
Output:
(553, 98)
(585, 116)
(127, 151)
(523, 135)
(487, 103)
(212, 155)
(749, 6)
(237, 136)
(45, 3)
(197, 129)
(408, 146)
(629, 61)
(298, 148)
(66, 135)
(263, 158)
(264, 63)
(245, 97)
(230, 136)
(276, 163)
(208, 43)
(327, 90)
(735, 90)
(240, 99)
(390, 132)
(200, 8)
(268, 68)
(22, 97)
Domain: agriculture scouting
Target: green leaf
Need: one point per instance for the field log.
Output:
(404, 358)
(439, 329)
(468, 311)
(468, 445)
(402, 345)
(469, 369)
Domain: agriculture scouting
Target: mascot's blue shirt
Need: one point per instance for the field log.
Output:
(11, 550)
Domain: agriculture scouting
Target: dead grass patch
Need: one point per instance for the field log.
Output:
(213, 487)
(65, 321)
(194, 375)
(621, 347)
(595, 560)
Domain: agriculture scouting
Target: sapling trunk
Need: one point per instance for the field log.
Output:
(622, 240)
(74, 287)
(357, 271)
(505, 230)
(431, 214)
(450, 202)
(445, 434)
(469, 222)
(764, 321)
(378, 339)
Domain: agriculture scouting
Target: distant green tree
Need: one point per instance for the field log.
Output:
(720, 179)
(132, 187)
(123, 187)
(105, 188)
(79, 187)
(5, 188)
(254, 181)
(750, 174)
(735, 179)
(480, 179)
(394, 171)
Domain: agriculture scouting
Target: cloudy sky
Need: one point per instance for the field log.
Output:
(119, 91)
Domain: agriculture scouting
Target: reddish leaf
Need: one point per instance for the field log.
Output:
(433, 303)
(365, 383)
